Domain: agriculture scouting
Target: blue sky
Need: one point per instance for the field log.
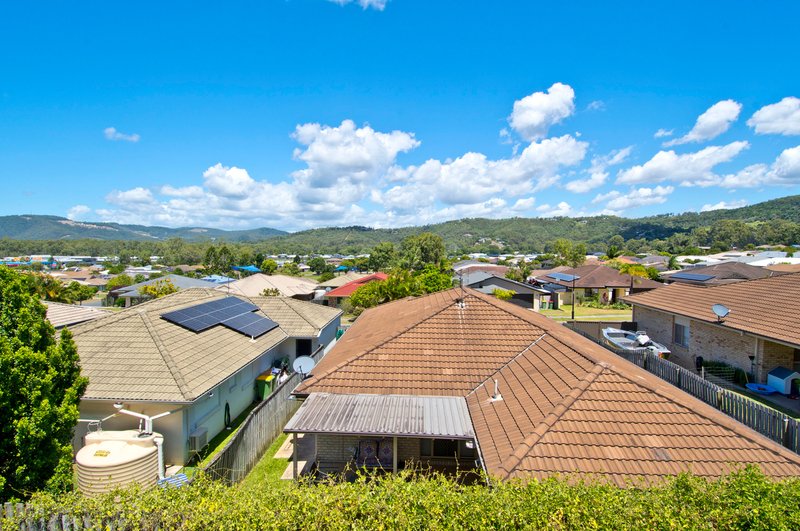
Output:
(306, 113)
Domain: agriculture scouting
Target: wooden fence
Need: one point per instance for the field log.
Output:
(261, 427)
(765, 420)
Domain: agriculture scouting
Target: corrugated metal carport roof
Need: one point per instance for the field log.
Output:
(445, 417)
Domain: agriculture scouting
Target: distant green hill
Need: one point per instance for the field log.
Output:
(534, 233)
(56, 228)
(525, 234)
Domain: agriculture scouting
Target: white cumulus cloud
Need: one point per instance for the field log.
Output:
(379, 5)
(661, 133)
(111, 133)
(688, 169)
(597, 171)
(782, 118)
(616, 201)
(136, 195)
(724, 205)
(560, 210)
(77, 211)
(784, 171)
(534, 114)
(712, 123)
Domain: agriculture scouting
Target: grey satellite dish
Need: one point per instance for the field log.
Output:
(721, 311)
(303, 365)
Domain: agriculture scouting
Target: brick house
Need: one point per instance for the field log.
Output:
(760, 333)
(461, 381)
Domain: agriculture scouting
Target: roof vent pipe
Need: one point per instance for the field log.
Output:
(496, 396)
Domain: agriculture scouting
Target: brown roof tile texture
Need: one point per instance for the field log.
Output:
(766, 307)
(568, 405)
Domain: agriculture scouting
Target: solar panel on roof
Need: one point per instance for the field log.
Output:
(563, 276)
(692, 276)
(208, 314)
(250, 324)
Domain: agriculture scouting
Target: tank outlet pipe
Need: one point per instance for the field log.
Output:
(148, 421)
(160, 445)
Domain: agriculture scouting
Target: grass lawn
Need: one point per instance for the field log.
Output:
(565, 313)
(268, 471)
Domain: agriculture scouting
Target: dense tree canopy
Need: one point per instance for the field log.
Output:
(40, 387)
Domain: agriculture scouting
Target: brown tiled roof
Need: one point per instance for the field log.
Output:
(136, 355)
(724, 273)
(568, 404)
(767, 307)
(600, 276)
(785, 268)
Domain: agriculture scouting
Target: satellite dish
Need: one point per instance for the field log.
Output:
(721, 311)
(303, 364)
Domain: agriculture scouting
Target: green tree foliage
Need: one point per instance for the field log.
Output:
(402, 283)
(503, 294)
(158, 289)
(269, 266)
(318, 265)
(569, 253)
(382, 257)
(219, 260)
(326, 276)
(270, 292)
(119, 281)
(291, 269)
(418, 251)
(40, 387)
(742, 500)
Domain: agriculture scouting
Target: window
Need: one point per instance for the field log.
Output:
(447, 448)
(303, 347)
(796, 366)
(680, 332)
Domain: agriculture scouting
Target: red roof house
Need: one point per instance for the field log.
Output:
(344, 291)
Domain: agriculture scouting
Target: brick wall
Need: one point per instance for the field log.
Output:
(775, 355)
(342, 448)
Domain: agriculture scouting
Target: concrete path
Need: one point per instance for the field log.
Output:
(306, 443)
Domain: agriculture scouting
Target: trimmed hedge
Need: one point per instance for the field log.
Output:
(745, 499)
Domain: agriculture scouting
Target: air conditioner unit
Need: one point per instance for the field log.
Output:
(198, 439)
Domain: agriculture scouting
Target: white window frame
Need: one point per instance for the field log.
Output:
(681, 339)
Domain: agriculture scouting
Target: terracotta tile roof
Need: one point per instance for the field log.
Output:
(254, 285)
(568, 405)
(600, 276)
(724, 273)
(136, 355)
(785, 268)
(346, 290)
(767, 307)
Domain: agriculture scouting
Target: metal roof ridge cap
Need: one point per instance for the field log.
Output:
(165, 355)
(512, 461)
(327, 373)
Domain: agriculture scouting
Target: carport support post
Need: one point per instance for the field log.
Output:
(394, 455)
(294, 456)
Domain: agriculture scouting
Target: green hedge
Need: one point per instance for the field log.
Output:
(743, 500)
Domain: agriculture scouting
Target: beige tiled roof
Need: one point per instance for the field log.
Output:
(568, 405)
(297, 318)
(136, 355)
(767, 307)
(61, 315)
(254, 285)
(341, 280)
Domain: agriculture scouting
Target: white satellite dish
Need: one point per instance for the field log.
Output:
(721, 311)
(303, 364)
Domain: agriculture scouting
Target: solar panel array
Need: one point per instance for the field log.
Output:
(230, 312)
(692, 276)
(563, 276)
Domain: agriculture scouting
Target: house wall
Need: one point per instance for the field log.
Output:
(714, 343)
(334, 450)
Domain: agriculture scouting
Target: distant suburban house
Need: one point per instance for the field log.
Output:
(760, 333)
(61, 315)
(606, 283)
(717, 274)
(657, 261)
(341, 280)
(254, 285)
(525, 295)
(133, 295)
(151, 365)
(461, 381)
(335, 296)
(465, 267)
